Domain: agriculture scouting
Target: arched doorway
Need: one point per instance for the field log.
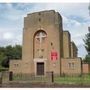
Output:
(40, 51)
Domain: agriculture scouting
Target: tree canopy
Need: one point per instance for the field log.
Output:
(9, 53)
(87, 46)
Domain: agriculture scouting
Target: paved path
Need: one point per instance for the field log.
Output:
(41, 85)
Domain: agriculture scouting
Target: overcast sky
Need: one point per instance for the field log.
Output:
(75, 16)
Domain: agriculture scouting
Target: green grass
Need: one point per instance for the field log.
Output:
(30, 79)
(85, 79)
(73, 80)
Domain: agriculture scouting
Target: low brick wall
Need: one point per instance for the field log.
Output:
(85, 68)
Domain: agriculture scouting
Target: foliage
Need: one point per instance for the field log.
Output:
(87, 59)
(87, 42)
(84, 79)
(87, 46)
(8, 53)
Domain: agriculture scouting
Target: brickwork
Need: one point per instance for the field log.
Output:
(42, 35)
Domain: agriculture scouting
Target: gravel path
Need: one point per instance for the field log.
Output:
(41, 85)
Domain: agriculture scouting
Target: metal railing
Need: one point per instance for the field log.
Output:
(33, 77)
(50, 77)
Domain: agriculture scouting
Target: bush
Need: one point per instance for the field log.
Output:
(3, 69)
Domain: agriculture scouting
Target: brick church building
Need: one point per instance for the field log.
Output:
(46, 47)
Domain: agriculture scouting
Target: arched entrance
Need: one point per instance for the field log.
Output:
(40, 51)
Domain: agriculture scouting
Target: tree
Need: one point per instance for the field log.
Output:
(2, 58)
(17, 52)
(9, 53)
(87, 46)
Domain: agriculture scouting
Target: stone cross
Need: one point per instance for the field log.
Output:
(40, 37)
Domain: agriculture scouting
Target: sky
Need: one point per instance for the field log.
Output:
(75, 17)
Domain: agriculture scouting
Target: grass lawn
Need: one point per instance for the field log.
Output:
(84, 79)
(31, 78)
(73, 80)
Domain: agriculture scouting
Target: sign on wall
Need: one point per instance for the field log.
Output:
(54, 55)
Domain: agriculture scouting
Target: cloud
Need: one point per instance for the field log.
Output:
(68, 23)
(75, 19)
(8, 35)
(82, 51)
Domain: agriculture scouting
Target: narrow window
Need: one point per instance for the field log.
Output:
(73, 65)
(39, 19)
(69, 65)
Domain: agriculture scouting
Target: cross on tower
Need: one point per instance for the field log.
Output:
(41, 36)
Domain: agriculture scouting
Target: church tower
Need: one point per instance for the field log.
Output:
(46, 47)
(41, 42)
